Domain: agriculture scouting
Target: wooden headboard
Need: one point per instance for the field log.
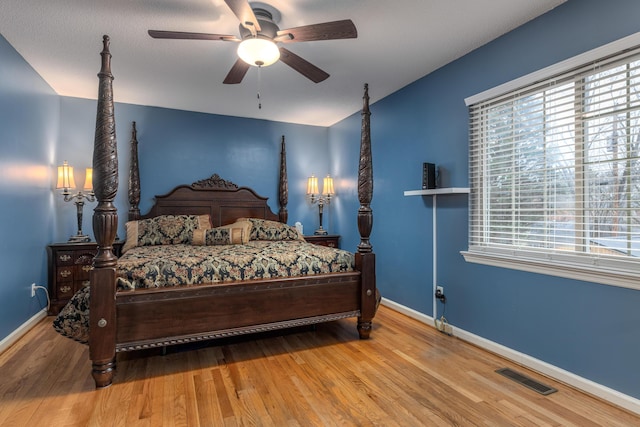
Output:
(223, 200)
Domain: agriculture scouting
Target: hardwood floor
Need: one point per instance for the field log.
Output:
(407, 374)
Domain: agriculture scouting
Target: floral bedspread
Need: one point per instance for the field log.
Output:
(174, 265)
(182, 264)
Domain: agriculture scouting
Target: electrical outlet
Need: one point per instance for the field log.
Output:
(33, 290)
(448, 329)
(440, 290)
(443, 326)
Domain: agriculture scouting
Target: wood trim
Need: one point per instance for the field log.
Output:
(556, 266)
(225, 333)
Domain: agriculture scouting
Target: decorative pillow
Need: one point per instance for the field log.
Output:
(164, 230)
(264, 229)
(232, 234)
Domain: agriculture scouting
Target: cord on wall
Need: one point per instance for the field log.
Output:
(35, 287)
(441, 323)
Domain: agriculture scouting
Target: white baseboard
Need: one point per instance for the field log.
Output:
(603, 392)
(22, 329)
(407, 311)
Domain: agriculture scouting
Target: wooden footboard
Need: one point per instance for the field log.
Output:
(164, 316)
(132, 320)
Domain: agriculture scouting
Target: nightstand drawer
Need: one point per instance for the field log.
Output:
(64, 258)
(83, 271)
(64, 274)
(65, 290)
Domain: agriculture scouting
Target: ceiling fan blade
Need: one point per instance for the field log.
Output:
(237, 72)
(242, 9)
(344, 29)
(302, 66)
(157, 34)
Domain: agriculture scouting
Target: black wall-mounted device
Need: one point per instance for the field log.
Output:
(428, 176)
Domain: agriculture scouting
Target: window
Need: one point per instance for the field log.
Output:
(555, 174)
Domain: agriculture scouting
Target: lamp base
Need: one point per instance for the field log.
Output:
(320, 232)
(79, 238)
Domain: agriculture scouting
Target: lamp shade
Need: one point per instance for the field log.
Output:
(327, 186)
(65, 177)
(258, 52)
(88, 179)
(312, 185)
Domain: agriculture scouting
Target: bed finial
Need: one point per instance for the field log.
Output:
(134, 177)
(365, 178)
(106, 58)
(283, 188)
(105, 225)
(105, 165)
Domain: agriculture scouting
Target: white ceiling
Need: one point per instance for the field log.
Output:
(398, 42)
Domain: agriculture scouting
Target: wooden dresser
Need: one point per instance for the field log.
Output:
(69, 267)
(331, 240)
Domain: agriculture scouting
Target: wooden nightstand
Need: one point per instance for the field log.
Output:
(69, 267)
(331, 240)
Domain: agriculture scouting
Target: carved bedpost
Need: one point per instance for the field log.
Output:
(134, 177)
(283, 188)
(102, 331)
(365, 258)
(365, 178)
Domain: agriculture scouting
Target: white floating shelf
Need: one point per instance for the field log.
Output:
(450, 190)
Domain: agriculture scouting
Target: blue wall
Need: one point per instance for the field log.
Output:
(589, 329)
(178, 147)
(28, 131)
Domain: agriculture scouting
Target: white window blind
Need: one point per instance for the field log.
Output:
(555, 173)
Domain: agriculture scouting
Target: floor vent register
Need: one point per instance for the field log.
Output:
(526, 381)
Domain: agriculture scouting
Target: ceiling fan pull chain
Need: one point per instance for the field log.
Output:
(259, 86)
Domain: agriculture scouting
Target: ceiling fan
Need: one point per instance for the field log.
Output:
(259, 35)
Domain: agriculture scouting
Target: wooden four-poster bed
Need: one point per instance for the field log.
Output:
(149, 314)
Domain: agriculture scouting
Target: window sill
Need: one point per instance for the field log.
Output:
(605, 275)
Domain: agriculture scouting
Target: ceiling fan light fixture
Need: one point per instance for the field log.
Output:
(258, 52)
